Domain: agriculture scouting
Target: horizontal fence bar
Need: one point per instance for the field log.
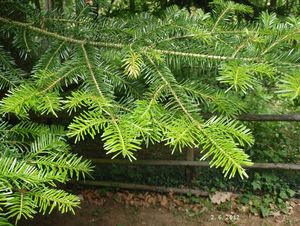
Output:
(277, 166)
(283, 166)
(145, 187)
(268, 117)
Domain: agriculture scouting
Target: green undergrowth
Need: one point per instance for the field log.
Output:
(262, 193)
(275, 142)
(206, 179)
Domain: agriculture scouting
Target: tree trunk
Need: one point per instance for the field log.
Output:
(37, 5)
(273, 4)
(132, 6)
(48, 5)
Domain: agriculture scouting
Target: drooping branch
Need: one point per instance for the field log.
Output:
(59, 36)
(118, 45)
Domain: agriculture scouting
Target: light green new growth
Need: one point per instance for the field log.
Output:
(147, 79)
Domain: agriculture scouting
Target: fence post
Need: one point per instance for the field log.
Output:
(190, 170)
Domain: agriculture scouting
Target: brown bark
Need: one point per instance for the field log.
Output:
(48, 5)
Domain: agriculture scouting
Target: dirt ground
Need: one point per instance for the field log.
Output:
(119, 209)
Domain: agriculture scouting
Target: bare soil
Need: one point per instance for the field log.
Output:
(119, 209)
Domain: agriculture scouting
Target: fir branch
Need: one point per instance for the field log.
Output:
(21, 205)
(118, 46)
(53, 55)
(6, 82)
(58, 36)
(47, 199)
(278, 41)
(204, 56)
(112, 145)
(230, 159)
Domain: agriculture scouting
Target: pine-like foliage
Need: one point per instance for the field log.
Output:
(34, 159)
(145, 79)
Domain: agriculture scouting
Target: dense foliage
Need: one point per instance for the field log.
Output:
(137, 79)
(34, 159)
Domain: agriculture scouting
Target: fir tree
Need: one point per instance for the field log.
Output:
(146, 79)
